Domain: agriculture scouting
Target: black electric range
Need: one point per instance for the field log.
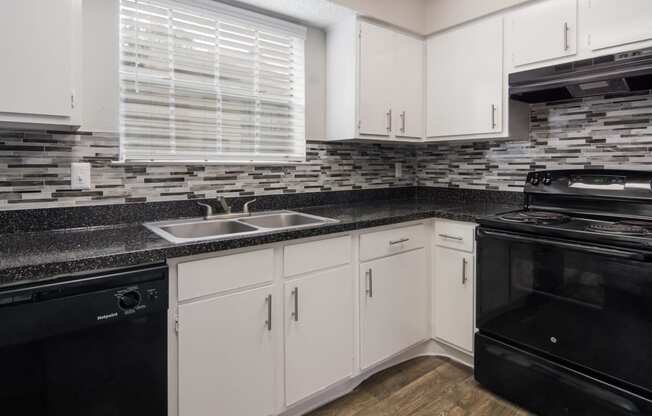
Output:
(564, 295)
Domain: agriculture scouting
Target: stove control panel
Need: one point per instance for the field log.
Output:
(591, 182)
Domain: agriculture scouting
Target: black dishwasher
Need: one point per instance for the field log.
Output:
(92, 345)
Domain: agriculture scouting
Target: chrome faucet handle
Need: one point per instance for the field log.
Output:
(245, 208)
(209, 209)
(225, 206)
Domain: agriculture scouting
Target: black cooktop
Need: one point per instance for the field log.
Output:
(603, 230)
(609, 207)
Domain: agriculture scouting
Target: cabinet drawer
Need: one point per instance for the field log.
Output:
(209, 276)
(457, 235)
(385, 243)
(316, 255)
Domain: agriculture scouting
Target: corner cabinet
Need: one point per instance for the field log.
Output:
(467, 92)
(375, 77)
(393, 293)
(465, 80)
(454, 284)
(41, 62)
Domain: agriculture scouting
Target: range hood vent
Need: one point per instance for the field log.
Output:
(611, 74)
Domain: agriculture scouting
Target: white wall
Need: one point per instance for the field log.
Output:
(442, 14)
(407, 14)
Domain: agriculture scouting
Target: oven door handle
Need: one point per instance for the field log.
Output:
(622, 254)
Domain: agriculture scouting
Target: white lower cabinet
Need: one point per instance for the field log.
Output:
(292, 326)
(227, 355)
(453, 303)
(393, 305)
(319, 341)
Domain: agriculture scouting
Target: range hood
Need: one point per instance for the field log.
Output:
(611, 74)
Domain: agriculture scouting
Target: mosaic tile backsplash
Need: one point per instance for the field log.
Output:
(35, 172)
(595, 133)
(590, 133)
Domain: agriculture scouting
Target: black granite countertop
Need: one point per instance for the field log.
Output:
(32, 256)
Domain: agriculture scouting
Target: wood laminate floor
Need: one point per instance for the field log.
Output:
(425, 386)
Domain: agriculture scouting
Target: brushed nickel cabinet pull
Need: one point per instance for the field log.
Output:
(493, 116)
(295, 314)
(370, 283)
(566, 29)
(268, 322)
(401, 241)
(403, 122)
(451, 237)
(464, 279)
(389, 120)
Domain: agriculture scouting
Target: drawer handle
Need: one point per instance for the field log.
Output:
(268, 322)
(295, 314)
(451, 237)
(401, 241)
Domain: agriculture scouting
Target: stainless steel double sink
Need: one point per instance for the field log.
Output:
(234, 225)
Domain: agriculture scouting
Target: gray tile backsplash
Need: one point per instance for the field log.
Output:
(598, 132)
(35, 172)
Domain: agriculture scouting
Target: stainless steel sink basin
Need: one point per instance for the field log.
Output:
(183, 231)
(283, 220)
(207, 229)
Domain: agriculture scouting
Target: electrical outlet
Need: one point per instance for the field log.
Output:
(398, 169)
(80, 175)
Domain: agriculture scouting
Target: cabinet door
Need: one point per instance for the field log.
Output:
(453, 297)
(614, 23)
(408, 81)
(226, 355)
(319, 319)
(546, 30)
(393, 305)
(36, 48)
(465, 80)
(375, 83)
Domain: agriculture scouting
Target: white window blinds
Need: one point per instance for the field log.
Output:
(204, 82)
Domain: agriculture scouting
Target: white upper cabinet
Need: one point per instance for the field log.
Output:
(544, 31)
(375, 78)
(465, 80)
(612, 23)
(40, 62)
(376, 59)
(407, 71)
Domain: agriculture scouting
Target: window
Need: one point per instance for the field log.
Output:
(205, 82)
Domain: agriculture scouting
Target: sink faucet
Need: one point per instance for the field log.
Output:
(225, 206)
(208, 210)
(245, 208)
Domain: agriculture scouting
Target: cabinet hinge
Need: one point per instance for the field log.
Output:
(176, 324)
(359, 124)
(72, 100)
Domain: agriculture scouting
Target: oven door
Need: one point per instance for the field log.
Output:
(590, 306)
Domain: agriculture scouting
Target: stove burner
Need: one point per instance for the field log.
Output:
(535, 217)
(632, 228)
